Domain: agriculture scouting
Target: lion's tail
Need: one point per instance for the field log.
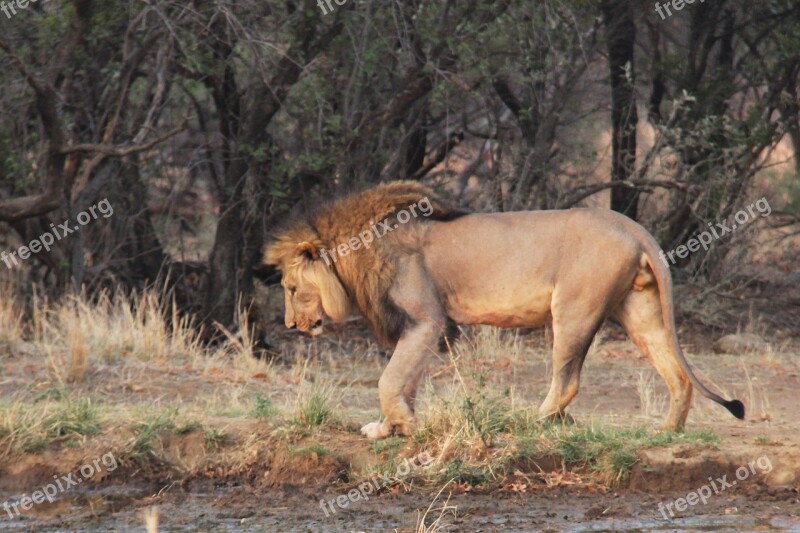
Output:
(664, 281)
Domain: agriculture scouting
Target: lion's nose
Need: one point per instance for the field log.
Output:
(318, 323)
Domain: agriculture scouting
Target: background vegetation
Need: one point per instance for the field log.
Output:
(207, 123)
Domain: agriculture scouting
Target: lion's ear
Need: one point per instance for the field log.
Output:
(308, 250)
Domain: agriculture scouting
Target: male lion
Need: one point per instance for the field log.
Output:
(574, 268)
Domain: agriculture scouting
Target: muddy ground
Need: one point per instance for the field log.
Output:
(557, 509)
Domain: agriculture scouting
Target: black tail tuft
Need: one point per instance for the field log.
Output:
(736, 408)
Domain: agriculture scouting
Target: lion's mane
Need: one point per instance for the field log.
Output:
(365, 274)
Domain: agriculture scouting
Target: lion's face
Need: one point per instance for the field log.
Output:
(303, 303)
(311, 291)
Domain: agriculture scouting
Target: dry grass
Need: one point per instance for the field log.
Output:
(32, 427)
(435, 518)
(11, 319)
(101, 351)
(132, 374)
(464, 417)
(21, 425)
(653, 404)
(478, 430)
(78, 334)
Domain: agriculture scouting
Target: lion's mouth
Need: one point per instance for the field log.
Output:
(316, 330)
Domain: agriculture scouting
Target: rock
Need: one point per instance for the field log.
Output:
(740, 344)
(595, 511)
(598, 511)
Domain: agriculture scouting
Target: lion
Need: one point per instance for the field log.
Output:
(574, 268)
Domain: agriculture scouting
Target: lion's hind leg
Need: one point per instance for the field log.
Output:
(571, 340)
(640, 315)
(577, 315)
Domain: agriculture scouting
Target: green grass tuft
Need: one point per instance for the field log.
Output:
(611, 452)
(188, 426)
(215, 438)
(458, 471)
(315, 408)
(262, 407)
(317, 449)
(150, 429)
(78, 417)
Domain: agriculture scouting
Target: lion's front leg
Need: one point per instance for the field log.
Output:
(414, 293)
(397, 387)
(402, 406)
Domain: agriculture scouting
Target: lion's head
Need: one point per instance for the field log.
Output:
(321, 283)
(311, 290)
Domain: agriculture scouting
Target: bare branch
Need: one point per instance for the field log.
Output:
(119, 151)
(580, 193)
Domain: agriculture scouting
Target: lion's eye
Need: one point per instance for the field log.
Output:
(292, 290)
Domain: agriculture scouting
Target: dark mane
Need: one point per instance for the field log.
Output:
(368, 273)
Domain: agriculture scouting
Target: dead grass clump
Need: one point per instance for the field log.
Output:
(21, 426)
(470, 424)
(437, 518)
(11, 320)
(480, 435)
(473, 409)
(652, 403)
(79, 333)
(240, 348)
(116, 327)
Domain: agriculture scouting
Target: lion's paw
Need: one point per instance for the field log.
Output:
(375, 430)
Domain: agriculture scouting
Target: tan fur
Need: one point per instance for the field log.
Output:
(572, 268)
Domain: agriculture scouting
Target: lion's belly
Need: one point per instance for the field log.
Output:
(501, 320)
(500, 312)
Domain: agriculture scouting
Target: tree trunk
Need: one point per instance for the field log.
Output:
(243, 126)
(620, 37)
(224, 264)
